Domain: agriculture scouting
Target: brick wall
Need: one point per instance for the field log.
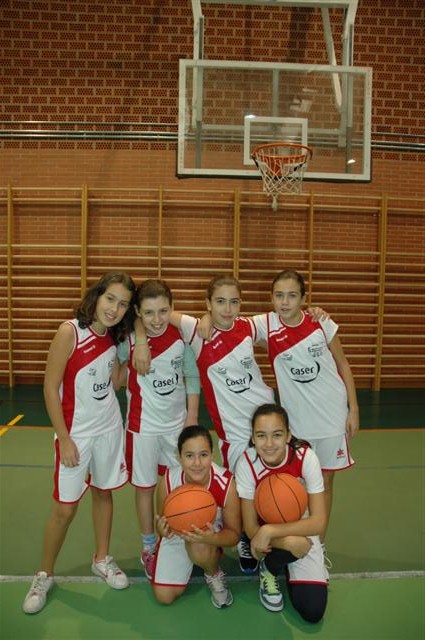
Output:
(117, 61)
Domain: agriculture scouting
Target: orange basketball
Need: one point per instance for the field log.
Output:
(189, 505)
(280, 498)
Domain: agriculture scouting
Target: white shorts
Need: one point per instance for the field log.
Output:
(144, 454)
(310, 569)
(333, 453)
(231, 452)
(102, 465)
(173, 567)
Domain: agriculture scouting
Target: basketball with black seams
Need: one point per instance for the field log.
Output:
(189, 506)
(280, 498)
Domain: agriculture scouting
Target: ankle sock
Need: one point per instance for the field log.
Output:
(149, 542)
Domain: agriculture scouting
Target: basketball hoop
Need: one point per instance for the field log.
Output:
(282, 166)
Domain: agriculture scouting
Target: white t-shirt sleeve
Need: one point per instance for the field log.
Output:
(245, 483)
(260, 323)
(312, 473)
(330, 329)
(188, 328)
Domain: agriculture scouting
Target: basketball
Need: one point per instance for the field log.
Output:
(280, 498)
(189, 505)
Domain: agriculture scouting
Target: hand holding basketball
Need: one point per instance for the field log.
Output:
(198, 535)
(162, 527)
(189, 506)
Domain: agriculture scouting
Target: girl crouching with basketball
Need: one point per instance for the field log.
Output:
(177, 553)
(294, 546)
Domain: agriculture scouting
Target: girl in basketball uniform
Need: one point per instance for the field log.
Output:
(177, 553)
(156, 403)
(86, 416)
(230, 377)
(313, 376)
(292, 546)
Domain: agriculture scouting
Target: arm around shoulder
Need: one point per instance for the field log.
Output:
(141, 360)
(193, 386)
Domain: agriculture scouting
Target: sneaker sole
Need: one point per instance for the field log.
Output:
(149, 577)
(99, 574)
(269, 606)
(33, 611)
(222, 606)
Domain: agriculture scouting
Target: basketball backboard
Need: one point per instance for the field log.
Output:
(228, 107)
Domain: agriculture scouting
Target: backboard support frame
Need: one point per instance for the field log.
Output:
(348, 7)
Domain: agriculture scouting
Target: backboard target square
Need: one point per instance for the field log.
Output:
(262, 129)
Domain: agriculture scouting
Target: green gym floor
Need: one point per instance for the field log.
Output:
(377, 583)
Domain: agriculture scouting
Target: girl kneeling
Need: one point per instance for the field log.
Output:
(177, 553)
(294, 546)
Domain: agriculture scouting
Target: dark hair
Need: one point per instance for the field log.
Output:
(219, 281)
(85, 310)
(290, 274)
(194, 431)
(269, 409)
(153, 289)
(272, 408)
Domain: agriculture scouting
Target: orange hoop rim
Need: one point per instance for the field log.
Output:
(301, 157)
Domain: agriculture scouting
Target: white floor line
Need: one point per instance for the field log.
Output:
(370, 575)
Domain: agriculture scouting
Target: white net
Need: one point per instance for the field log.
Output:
(282, 166)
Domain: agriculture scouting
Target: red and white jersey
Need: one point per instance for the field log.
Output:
(90, 406)
(156, 402)
(219, 484)
(302, 463)
(310, 387)
(230, 377)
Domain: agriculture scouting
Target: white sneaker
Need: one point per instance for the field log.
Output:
(110, 572)
(270, 594)
(36, 596)
(221, 596)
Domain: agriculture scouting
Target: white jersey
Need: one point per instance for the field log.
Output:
(219, 485)
(302, 463)
(310, 387)
(230, 377)
(156, 402)
(90, 406)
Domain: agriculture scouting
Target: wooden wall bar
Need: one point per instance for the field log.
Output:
(362, 258)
